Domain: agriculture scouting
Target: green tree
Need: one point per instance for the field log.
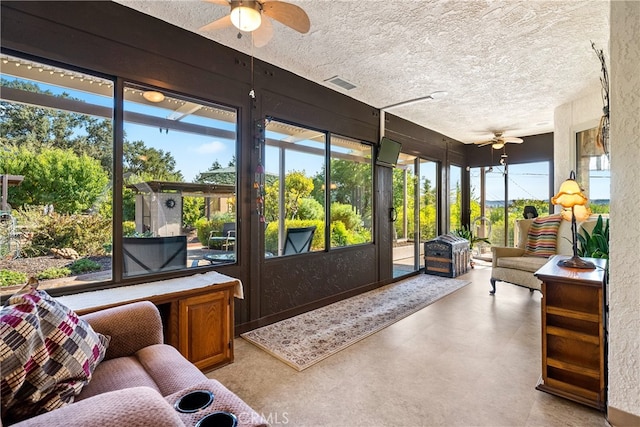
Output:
(455, 205)
(351, 185)
(398, 196)
(192, 210)
(298, 187)
(38, 128)
(216, 174)
(271, 201)
(428, 212)
(71, 183)
(148, 163)
(310, 208)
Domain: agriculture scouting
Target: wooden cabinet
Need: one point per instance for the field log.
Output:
(574, 332)
(204, 334)
(197, 312)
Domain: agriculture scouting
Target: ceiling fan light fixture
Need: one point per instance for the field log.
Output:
(245, 16)
(153, 96)
(497, 145)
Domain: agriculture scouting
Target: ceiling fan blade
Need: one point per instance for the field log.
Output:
(512, 140)
(263, 34)
(218, 24)
(288, 14)
(483, 143)
(221, 2)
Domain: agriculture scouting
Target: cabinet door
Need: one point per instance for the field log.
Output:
(205, 329)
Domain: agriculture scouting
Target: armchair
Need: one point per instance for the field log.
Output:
(298, 240)
(516, 265)
(227, 237)
(139, 378)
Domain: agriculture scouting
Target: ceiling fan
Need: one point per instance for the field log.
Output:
(498, 141)
(249, 16)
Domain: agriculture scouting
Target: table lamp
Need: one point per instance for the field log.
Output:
(574, 204)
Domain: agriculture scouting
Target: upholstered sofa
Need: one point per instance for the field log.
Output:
(516, 265)
(140, 379)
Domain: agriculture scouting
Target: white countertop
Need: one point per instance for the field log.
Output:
(122, 294)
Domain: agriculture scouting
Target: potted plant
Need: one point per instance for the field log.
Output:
(596, 244)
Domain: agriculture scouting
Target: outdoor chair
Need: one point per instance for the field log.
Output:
(298, 240)
(227, 238)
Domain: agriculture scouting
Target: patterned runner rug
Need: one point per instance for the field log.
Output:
(305, 340)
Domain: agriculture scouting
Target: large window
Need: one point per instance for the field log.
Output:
(56, 155)
(179, 170)
(299, 194)
(594, 171)
(500, 189)
(528, 185)
(350, 192)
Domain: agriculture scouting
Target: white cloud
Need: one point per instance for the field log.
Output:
(212, 147)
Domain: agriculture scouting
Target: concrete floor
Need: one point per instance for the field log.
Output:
(470, 359)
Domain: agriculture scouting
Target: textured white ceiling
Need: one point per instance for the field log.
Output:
(506, 65)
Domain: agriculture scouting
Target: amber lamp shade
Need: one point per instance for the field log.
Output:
(574, 204)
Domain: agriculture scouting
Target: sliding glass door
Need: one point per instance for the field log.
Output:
(415, 206)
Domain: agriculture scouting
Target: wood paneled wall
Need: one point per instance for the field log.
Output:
(115, 41)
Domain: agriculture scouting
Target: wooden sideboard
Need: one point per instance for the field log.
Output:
(574, 342)
(197, 312)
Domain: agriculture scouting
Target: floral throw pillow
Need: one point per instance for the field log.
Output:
(543, 236)
(47, 354)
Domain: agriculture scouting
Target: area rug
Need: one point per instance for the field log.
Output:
(305, 340)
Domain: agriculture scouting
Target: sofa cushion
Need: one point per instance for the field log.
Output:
(542, 236)
(524, 263)
(117, 374)
(158, 366)
(169, 369)
(47, 354)
(131, 407)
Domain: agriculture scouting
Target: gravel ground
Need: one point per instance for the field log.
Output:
(33, 266)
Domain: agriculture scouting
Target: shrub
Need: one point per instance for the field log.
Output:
(346, 214)
(84, 265)
(11, 278)
(128, 228)
(361, 235)
(53, 273)
(87, 234)
(339, 234)
(192, 209)
(204, 226)
(310, 208)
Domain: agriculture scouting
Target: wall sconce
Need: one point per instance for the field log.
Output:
(245, 16)
(574, 204)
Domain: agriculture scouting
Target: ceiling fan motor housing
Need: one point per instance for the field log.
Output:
(246, 15)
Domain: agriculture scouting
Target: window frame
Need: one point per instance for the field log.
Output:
(115, 143)
(326, 182)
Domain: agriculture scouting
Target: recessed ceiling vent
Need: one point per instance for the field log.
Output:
(339, 81)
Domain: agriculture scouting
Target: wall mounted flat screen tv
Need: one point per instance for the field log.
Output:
(388, 152)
